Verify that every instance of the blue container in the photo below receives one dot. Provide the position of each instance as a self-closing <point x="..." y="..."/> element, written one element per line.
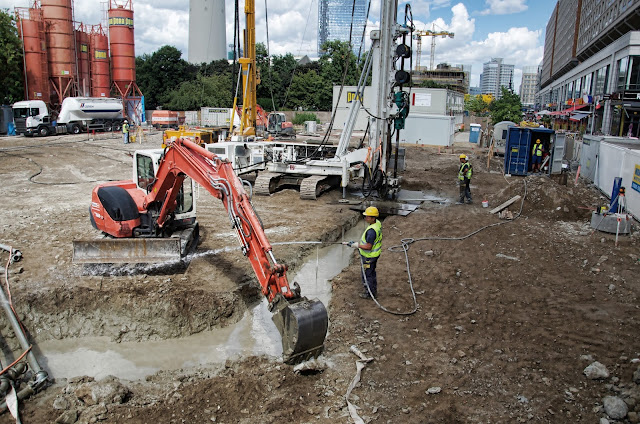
<point x="474" y="133"/>
<point x="517" y="152"/>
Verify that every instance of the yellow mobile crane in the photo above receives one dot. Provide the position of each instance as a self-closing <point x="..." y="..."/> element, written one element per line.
<point x="433" y="34"/>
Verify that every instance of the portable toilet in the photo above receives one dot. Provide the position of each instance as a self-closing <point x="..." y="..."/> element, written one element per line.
<point x="474" y="133"/>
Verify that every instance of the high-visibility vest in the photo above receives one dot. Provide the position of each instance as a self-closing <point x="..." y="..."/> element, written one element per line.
<point x="537" y="149"/>
<point x="465" y="170"/>
<point x="376" y="249"/>
<point x="125" y="128"/>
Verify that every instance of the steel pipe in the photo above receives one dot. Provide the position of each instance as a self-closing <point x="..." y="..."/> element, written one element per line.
<point x="16" y="255"/>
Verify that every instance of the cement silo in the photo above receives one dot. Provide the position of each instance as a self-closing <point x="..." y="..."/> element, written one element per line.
<point x="83" y="60"/>
<point x="123" y="57"/>
<point x="100" y="65"/>
<point x="36" y="68"/>
<point x="58" y="19"/>
<point x="207" y="34"/>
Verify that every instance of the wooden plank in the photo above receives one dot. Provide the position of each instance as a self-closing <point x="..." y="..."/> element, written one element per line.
<point x="505" y="204"/>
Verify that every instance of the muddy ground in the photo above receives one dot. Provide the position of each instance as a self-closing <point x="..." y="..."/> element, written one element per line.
<point x="507" y="319"/>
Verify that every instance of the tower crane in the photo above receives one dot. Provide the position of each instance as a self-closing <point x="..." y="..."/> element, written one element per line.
<point x="429" y="33"/>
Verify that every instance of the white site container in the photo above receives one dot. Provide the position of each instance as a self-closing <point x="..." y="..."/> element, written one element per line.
<point x="621" y="159"/>
<point x="215" y="116"/>
<point x="432" y="130"/>
<point x="191" y="117"/>
<point x="588" y="153"/>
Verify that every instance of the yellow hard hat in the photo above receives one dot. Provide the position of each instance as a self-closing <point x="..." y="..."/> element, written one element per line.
<point x="538" y="141"/>
<point x="371" y="211"/>
<point x="463" y="156"/>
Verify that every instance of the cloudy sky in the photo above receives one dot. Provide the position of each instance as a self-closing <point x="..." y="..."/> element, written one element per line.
<point x="511" y="29"/>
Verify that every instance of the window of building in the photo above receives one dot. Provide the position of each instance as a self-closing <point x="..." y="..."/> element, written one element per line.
<point x="586" y="86"/>
<point x="622" y="73"/>
<point x="633" y="73"/>
<point x="602" y="80"/>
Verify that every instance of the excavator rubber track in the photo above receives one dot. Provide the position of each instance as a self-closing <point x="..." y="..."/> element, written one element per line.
<point x="266" y="183"/>
<point x="303" y="327"/>
<point x="313" y="186"/>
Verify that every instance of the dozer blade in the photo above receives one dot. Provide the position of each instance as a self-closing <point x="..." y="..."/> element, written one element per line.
<point x="126" y="250"/>
<point x="303" y="327"/>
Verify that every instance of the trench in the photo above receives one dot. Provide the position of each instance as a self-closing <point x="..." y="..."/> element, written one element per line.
<point x="253" y="335"/>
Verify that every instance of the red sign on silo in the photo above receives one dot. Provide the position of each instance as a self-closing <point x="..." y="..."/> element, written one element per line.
<point x="99" y="51"/>
<point x="31" y="31"/>
<point x="58" y="25"/>
<point x="123" y="59"/>
<point x="82" y="55"/>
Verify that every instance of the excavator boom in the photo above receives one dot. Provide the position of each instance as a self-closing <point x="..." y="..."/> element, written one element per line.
<point x="124" y="212"/>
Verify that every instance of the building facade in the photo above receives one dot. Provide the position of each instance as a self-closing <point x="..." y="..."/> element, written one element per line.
<point x="337" y="19"/>
<point x="454" y="77"/>
<point x="529" y="85"/>
<point x="591" y="73"/>
<point x="496" y="74"/>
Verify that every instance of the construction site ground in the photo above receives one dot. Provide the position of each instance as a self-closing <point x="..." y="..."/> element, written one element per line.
<point x="507" y="318"/>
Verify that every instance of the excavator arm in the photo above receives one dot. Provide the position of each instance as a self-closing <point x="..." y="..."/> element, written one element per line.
<point x="136" y="219"/>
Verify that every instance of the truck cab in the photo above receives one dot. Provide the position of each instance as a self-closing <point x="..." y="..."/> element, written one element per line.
<point x="32" y="117"/>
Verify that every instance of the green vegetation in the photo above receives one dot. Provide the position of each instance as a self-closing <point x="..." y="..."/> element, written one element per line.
<point x="170" y="82"/>
<point x="301" y="118"/>
<point x="11" y="75"/>
<point x="476" y="105"/>
<point x="508" y="108"/>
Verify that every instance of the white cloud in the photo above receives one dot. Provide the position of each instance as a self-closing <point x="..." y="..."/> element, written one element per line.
<point x="504" y="7"/>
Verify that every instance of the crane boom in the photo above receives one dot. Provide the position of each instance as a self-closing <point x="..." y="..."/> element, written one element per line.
<point x="433" y="34"/>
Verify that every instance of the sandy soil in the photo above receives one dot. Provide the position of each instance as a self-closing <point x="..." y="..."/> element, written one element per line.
<point x="507" y="318"/>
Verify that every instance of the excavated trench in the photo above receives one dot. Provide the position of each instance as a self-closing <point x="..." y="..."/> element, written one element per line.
<point x="166" y="322"/>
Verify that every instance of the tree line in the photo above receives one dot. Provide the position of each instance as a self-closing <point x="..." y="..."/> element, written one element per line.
<point x="172" y="83"/>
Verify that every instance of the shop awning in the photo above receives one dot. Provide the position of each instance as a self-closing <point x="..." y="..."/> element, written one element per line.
<point x="579" y="115"/>
<point x="568" y="111"/>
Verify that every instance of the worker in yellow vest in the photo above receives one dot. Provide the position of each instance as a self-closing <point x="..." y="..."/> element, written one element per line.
<point x="370" y="247"/>
<point x="464" y="179"/>
<point x="536" y="156"/>
<point x="125" y="131"/>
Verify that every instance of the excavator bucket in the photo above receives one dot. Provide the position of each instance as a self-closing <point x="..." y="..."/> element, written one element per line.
<point x="126" y="250"/>
<point x="303" y="327"/>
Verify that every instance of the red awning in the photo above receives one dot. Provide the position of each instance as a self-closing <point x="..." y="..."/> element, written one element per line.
<point x="568" y="111"/>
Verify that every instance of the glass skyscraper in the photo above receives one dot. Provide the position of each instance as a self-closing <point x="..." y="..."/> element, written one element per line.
<point x="334" y="22"/>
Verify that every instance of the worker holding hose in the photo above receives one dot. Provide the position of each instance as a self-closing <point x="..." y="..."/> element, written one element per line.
<point x="370" y="247"/>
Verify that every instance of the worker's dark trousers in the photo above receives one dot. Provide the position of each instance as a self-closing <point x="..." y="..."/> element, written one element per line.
<point x="465" y="191"/>
<point x="369" y="265"/>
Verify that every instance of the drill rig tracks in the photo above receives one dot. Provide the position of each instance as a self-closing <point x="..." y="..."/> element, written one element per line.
<point x="313" y="186"/>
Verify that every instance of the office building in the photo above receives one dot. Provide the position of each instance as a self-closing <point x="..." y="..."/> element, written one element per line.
<point x="336" y="22"/>
<point x="496" y="74"/>
<point x="529" y="85"/>
<point x="591" y="65"/>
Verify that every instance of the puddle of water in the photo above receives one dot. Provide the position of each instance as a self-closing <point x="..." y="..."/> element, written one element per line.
<point x="254" y="334"/>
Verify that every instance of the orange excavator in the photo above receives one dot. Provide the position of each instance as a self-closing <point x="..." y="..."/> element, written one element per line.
<point x="122" y="210"/>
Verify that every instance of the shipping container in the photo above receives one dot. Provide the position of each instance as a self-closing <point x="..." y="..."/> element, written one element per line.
<point x="191" y="118"/>
<point x="519" y="146"/>
<point x="166" y="119"/>
<point x="215" y="117"/>
<point x="432" y="130"/>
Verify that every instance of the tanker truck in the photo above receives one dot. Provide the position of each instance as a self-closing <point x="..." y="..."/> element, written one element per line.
<point x="77" y="114"/>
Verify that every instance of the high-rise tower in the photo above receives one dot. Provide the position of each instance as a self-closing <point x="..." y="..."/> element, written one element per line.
<point x="334" y="22"/>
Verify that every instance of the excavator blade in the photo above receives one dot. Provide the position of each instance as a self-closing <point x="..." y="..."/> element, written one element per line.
<point x="303" y="327"/>
<point x="126" y="250"/>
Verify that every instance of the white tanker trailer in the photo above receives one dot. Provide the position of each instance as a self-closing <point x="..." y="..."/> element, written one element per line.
<point x="77" y="114"/>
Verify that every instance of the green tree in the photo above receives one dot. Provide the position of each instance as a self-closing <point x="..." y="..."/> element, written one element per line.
<point x="304" y="90"/>
<point x="507" y="108"/>
<point x="11" y="75"/>
<point x="203" y="91"/>
<point x="477" y="105"/>
<point x="159" y="73"/>
<point x="338" y="56"/>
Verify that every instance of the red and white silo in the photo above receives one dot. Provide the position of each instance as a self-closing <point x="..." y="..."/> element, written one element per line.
<point x="83" y="58"/>
<point x="36" y="69"/>
<point x="58" y="25"/>
<point x="99" y="52"/>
